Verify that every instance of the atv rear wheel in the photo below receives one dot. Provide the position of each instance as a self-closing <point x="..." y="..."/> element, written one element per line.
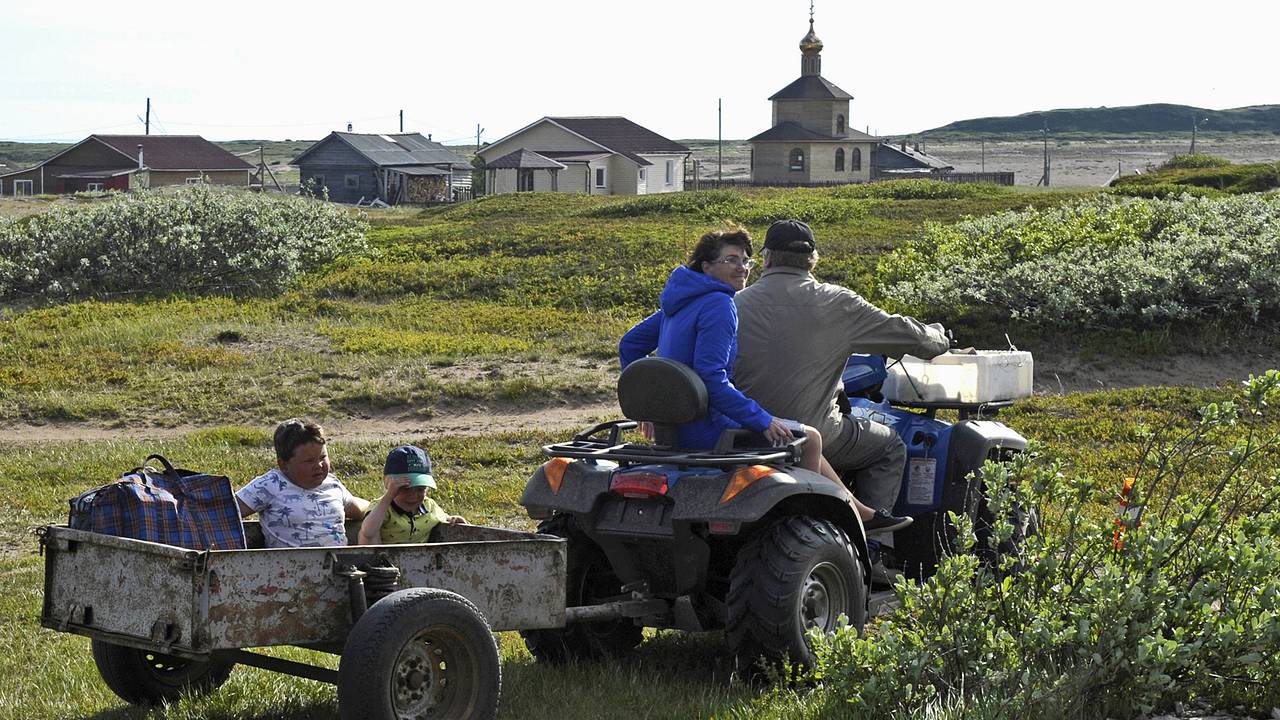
<point x="799" y="573"/>
<point x="589" y="581"/>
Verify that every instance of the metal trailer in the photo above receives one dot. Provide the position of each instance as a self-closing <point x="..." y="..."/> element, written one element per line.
<point x="166" y="621"/>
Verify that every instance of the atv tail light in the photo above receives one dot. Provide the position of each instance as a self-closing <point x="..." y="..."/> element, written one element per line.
<point x="717" y="527"/>
<point x="554" y="470"/>
<point x="639" y="484"/>
<point x="744" y="478"/>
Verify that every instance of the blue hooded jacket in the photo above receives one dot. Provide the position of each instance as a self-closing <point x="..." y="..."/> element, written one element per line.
<point x="698" y="325"/>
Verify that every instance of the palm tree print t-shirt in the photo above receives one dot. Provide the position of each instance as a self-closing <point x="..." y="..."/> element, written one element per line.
<point x="294" y="517"/>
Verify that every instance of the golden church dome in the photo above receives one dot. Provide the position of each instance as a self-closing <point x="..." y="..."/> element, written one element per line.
<point x="811" y="43"/>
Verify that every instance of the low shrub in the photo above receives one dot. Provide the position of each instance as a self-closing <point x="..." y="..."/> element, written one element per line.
<point x="919" y="189"/>
<point x="1101" y="262"/>
<point x="1161" y="190"/>
<point x="1197" y="160"/>
<point x="1135" y="594"/>
<point x="197" y="239"/>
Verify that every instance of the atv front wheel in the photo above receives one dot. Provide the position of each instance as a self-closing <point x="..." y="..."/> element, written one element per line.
<point x="799" y="573"/>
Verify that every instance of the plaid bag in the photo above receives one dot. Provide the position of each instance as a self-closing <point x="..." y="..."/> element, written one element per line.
<point x="178" y="507"/>
<point x="129" y="507"/>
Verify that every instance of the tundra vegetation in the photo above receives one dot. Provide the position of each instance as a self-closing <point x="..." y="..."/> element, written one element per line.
<point x="516" y="302"/>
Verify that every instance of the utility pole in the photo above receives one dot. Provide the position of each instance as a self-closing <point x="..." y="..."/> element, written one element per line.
<point x="478" y="131"/>
<point x="984" y="154"/>
<point x="402" y="121"/>
<point x="1045" y="177"/>
<point x="719" y="141"/>
<point x="1194" y="123"/>
<point x="147" y="123"/>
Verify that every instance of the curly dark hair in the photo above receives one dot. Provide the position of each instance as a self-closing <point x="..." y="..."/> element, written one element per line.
<point x="712" y="242"/>
<point x="293" y="433"/>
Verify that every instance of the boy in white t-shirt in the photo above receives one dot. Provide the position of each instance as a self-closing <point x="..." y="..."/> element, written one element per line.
<point x="299" y="502"/>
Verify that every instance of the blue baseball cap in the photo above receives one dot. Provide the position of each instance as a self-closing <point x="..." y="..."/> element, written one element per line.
<point x="412" y="462"/>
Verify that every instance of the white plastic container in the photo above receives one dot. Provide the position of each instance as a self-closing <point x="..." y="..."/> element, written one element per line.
<point x="988" y="376"/>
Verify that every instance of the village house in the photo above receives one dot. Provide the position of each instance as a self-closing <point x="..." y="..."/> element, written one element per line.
<point x="127" y="162"/>
<point x="394" y="168"/>
<point x="593" y="155"/>
<point x="901" y="160"/>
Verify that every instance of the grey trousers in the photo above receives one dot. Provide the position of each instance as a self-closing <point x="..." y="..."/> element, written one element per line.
<point x="870" y="458"/>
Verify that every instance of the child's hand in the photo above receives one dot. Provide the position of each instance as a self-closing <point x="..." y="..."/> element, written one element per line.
<point x="458" y="520"/>
<point x="393" y="484"/>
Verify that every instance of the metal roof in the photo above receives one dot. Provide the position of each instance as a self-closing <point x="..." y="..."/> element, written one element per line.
<point x="621" y="136"/>
<point x="811" y="87"/>
<point x="791" y="131"/>
<point x="525" y="160"/>
<point x="917" y="158"/>
<point x="395" y="149"/>
<point x="173" y="152"/>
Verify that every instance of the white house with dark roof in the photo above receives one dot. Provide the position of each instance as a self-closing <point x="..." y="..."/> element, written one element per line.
<point x="593" y="155"/>
<point x="810" y="141"/>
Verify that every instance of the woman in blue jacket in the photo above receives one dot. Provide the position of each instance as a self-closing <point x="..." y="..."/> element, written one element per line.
<point x="697" y="324"/>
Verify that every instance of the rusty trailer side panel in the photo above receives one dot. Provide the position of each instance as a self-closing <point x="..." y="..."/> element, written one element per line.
<point x="144" y="594"/>
<point x="133" y="589"/>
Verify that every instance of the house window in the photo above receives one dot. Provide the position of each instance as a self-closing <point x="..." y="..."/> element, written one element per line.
<point x="93" y="187"/>
<point x="797" y="159"/>
<point x="839" y="159"/>
<point x="857" y="159"/>
<point x="601" y="178"/>
<point x="194" y="180"/>
<point x="352" y="182"/>
<point x="642" y="176"/>
<point x="839" y="125"/>
<point x="524" y="180"/>
<point x="671" y="172"/>
<point x="22" y="188"/>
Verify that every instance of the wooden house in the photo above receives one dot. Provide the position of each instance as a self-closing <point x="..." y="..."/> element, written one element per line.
<point x="397" y="168"/>
<point x="125" y="162"/>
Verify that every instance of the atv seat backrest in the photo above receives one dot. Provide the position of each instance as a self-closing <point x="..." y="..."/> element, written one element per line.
<point x="664" y="392"/>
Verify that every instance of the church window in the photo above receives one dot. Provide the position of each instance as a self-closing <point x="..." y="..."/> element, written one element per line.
<point x="839" y="125"/>
<point x="857" y="159"/>
<point x="839" y="159"/>
<point x="797" y="159"/>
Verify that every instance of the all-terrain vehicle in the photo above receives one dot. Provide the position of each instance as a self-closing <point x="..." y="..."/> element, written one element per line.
<point x="738" y="538"/>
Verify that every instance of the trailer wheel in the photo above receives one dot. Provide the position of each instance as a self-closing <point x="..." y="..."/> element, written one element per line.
<point x="799" y="573"/>
<point x="143" y="677"/>
<point x="589" y="581"/>
<point x="420" y="653"/>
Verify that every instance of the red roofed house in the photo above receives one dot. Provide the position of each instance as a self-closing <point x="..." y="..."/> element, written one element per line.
<point x="124" y="162"/>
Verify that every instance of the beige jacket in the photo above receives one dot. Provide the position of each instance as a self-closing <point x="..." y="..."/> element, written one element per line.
<point x="795" y="334"/>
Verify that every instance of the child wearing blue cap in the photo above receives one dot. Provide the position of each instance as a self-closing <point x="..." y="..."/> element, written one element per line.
<point x="404" y="513"/>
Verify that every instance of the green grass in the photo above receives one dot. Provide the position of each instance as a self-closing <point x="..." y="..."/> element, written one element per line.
<point x="517" y="298"/>
<point x="44" y="674"/>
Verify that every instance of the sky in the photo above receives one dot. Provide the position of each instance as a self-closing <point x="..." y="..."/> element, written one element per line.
<point x="686" y="69"/>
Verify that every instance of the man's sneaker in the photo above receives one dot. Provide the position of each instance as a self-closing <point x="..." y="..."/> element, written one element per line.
<point x="884" y="576"/>
<point x="883" y="521"/>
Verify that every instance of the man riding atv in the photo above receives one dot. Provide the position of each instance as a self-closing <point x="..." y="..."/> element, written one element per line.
<point x="795" y="335"/>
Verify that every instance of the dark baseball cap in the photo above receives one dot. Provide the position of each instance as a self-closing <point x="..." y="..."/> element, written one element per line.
<point x="412" y="462"/>
<point x="790" y="236"/>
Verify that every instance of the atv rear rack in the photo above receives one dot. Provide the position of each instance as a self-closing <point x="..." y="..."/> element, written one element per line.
<point x="586" y="446"/>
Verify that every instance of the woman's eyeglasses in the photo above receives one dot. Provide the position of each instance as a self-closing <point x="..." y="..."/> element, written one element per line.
<point x="747" y="263"/>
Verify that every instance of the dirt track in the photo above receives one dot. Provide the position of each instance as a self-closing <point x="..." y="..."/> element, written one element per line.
<point x="1053" y="375"/>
